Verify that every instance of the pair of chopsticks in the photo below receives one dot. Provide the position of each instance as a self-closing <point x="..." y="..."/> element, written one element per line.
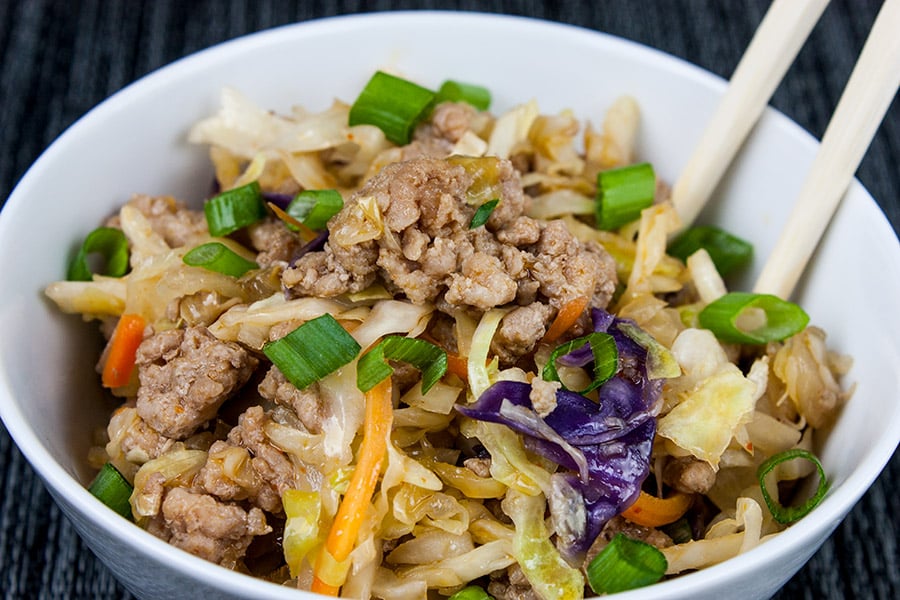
<point x="872" y="85"/>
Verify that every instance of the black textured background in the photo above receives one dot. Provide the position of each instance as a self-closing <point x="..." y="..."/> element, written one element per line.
<point x="60" y="58"/>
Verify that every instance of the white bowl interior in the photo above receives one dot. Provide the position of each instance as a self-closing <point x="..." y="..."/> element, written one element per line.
<point x="136" y="142"/>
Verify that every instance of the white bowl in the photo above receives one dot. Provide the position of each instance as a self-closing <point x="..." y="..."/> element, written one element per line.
<point x="135" y="142"/>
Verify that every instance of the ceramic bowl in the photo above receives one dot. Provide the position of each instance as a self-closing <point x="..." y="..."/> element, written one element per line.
<point x="136" y="142"/>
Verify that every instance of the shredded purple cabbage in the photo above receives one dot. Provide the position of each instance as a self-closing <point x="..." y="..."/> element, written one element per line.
<point x="280" y="200"/>
<point x="615" y="435"/>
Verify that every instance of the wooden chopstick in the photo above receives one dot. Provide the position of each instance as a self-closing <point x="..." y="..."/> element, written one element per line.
<point x="872" y="86"/>
<point x="773" y="48"/>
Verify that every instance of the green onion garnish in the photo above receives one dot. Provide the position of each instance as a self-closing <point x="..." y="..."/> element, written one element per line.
<point x="789" y="514"/>
<point x="234" y="209"/>
<point x="473" y="592"/>
<point x="623" y="193"/>
<point x="727" y="251"/>
<point x="625" y="564"/>
<point x="483" y="213"/>
<point x="106" y="241"/>
<point x="392" y="104"/>
<point x="315" y="349"/>
<point x="216" y="256"/>
<point x="313" y="208"/>
<point x="456" y="91"/>
<point x="776" y="319"/>
<point x="606" y="359"/>
<point x="425" y="356"/>
<point x="113" y="490"/>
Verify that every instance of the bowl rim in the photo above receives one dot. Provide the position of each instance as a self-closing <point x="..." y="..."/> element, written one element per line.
<point x="829" y="513"/>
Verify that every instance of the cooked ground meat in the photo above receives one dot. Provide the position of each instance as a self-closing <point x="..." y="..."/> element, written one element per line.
<point x="132" y="438"/>
<point x="171" y="219"/>
<point x="271" y="464"/>
<point x="689" y="475"/>
<point x="479" y="466"/>
<point x="207" y="528"/>
<point x="306" y="403"/>
<point x="511" y="585"/>
<point x="543" y="395"/>
<point x="428" y="253"/>
<point x="185" y="375"/>
<point x="273" y="241"/>
<point x="229" y="475"/>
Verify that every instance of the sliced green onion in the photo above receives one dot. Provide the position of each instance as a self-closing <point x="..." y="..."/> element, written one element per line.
<point x="483" y="213"/>
<point x="108" y="242"/>
<point x="728" y="252"/>
<point x="216" y="256"/>
<point x="313" y="208"/>
<point x="392" y="104"/>
<point x="234" y="209"/>
<point x="623" y="193"/>
<point x="606" y="359"/>
<point x="113" y="490"/>
<point x="425" y="356"/>
<point x="780" y="318"/>
<point x="789" y="514"/>
<point x="315" y="349"/>
<point x="473" y="592"/>
<point x="456" y="91"/>
<point x="625" y="564"/>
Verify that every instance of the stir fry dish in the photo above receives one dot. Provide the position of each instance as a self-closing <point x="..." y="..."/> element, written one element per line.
<point x="411" y="349"/>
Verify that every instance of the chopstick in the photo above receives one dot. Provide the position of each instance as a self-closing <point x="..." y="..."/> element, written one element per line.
<point x="773" y="48"/>
<point x="872" y="86"/>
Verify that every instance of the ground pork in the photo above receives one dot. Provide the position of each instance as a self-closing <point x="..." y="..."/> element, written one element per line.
<point x="185" y="375"/>
<point x="171" y="219"/>
<point x="511" y="585"/>
<point x="133" y="439"/>
<point x="306" y="402"/>
<point x="229" y="475"/>
<point x="200" y="524"/>
<point x="271" y="464"/>
<point x="689" y="475"/>
<point x="428" y="252"/>
<point x="273" y="241"/>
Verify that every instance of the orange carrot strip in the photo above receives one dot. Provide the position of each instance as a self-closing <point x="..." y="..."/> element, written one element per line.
<point x="123" y="347"/>
<point x="352" y="511"/>
<point x="458" y="365"/>
<point x="305" y="232"/>
<point x="565" y="318"/>
<point x="651" y="511"/>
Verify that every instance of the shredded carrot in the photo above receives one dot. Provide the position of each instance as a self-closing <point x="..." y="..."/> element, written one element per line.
<point x="123" y="347"/>
<point x="458" y="365"/>
<point x="305" y="232"/>
<point x="651" y="511"/>
<point x="565" y="318"/>
<point x="352" y="511"/>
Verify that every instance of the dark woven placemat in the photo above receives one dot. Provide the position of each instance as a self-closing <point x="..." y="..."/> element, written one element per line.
<point x="59" y="59"/>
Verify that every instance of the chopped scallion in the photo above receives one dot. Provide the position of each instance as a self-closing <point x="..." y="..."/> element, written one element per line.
<point x="625" y="564"/>
<point x="392" y="104"/>
<point x="110" y="243"/>
<point x="789" y="514"/>
<point x="728" y="252"/>
<point x="113" y="490"/>
<point x="234" y="209"/>
<point x="775" y="319"/>
<point x="623" y="193"/>
<point x="456" y="91"/>
<point x="472" y="592"/>
<point x="313" y="208"/>
<point x="605" y="359"/>
<point x="315" y="349"/>
<point x="216" y="256"/>
<point x="372" y="367"/>
<point x="483" y="213"/>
